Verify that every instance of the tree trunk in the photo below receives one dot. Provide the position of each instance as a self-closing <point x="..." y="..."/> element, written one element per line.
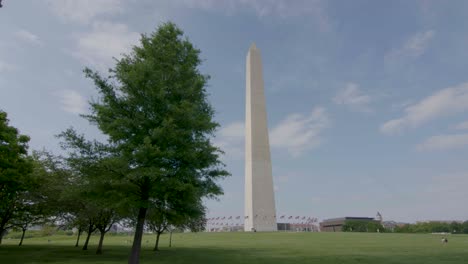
<point x="78" y="238"/>
<point x="135" y="253"/>
<point x="1" y="235"/>
<point x="101" y="239"/>
<point x="170" y="239"/>
<point x="157" y="241"/>
<point x="90" y="230"/>
<point x="22" y="237"/>
<point x="2" y="231"/>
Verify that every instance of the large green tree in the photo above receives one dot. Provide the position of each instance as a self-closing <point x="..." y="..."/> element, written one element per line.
<point x="15" y="168"/>
<point x="154" y="109"/>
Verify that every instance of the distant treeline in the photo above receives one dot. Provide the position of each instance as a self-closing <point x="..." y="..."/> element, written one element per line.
<point x="422" y="227"/>
<point x="363" y="226"/>
<point x="434" y="227"/>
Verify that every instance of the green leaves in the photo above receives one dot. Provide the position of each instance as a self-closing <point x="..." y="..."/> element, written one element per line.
<point x="15" y="169"/>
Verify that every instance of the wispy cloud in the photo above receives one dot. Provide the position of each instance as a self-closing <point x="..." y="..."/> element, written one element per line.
<point x="105" y="42"/>
<point x="230" y="139"/>
<point x="444" y="142"/>
<point x="84" y="11"/>
<point x="273" y="8"/>
<point x="298" y="133"/>
<point x="414" y="46"/>
<point x="71" y="101"/>
<point x="448" y="101"/>
<point x="27" y="36"/>
<point x="4" y="67"/>
<point x="352" y="97"/>
<point x="462" y="125"/>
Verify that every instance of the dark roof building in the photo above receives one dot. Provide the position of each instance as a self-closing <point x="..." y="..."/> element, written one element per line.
<point x="336" y="224"/>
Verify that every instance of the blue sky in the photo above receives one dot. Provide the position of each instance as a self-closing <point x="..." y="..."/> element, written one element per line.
<point x="367" y="100"/>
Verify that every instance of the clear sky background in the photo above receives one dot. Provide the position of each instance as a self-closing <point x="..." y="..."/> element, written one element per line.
<point x="367" y="100"/>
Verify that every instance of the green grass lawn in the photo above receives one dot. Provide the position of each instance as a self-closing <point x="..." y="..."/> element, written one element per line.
<point x="248" y="248"/>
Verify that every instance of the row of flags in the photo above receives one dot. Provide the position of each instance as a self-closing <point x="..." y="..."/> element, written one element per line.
<point x="239" y="224"/>
<point x="309" y="219"/>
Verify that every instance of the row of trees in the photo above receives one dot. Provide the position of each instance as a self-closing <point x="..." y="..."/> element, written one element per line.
<point x="362" y="226"/>
<point x="156" y="166"/>
<point x="434" y="227"/>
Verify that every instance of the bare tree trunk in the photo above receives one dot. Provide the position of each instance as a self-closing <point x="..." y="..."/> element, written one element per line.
<point x="157" y="241"/>
<point x="90" y="231"/>
<point x="22" y="237"/>
<point x="80" y="230"/>
<point x="101" y="239"/>
<point x="135" y="253"/>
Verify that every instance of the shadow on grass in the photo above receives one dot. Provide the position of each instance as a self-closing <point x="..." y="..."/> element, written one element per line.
<point x="36" y="254"/>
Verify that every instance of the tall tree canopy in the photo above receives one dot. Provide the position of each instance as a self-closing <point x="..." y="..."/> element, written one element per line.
<point x="15" y="168"/>
<point x="154" y="109"/>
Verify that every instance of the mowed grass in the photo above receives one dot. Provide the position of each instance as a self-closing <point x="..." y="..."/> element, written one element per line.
<point x="248" y="248"/>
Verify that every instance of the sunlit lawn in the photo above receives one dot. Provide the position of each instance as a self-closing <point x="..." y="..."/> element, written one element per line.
<point x="247" y="248"/>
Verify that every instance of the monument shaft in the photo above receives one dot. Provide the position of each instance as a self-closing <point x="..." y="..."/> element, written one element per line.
<point x="260" y="213"/>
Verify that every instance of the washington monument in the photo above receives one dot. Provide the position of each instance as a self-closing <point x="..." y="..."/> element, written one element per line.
<point x="260" y="213"/>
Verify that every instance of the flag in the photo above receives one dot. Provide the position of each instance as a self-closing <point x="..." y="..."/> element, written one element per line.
<point x="217" y="218"/>
<point x="297" y="217"/>
<point x="246" y="217"/>
<point x="230" y="218"/>
<point x="303" y="217"/>
<point x="238" y="217"/>
<point x="282" y="216"/>
<point x="290" y="217"/>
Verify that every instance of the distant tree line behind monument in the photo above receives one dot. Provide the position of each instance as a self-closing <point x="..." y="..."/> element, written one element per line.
<point x="434" y="227"/>
<point x="156" y="166"/>
<point x="362" y="226"/>
<point x="420" y="227"/>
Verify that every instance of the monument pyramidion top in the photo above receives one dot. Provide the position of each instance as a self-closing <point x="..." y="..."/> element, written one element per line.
<point x="253" y="46"/>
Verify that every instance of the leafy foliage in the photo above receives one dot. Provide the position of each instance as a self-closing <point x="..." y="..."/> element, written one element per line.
<point x="362" y="226"/>
<point x="15" y="169"/>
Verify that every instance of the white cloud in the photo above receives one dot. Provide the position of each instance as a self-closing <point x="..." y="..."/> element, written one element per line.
<point x="448" y="101"/>
<point x="230" y="139"/>
<point x="28" y="37"/>
<point x="72" y="102"/>
<point x="274" y="8"/>
<point x="462" y="125"/>
<point x="414" y="47"/>
<point x="298" y="133"/>
<point x="4" y="67"/>
<point x="84" y="11"/>
<point x="444" y="142"/>
<point x="352" y="97"/>
<point x="105" y="42"/>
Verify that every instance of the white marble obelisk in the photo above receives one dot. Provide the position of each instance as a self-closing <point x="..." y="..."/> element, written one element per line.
<point x="260" y="213"/>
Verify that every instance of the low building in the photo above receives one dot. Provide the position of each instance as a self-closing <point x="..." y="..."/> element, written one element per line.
<point x="298" y="227"/>
<point x="336" y="224"/>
